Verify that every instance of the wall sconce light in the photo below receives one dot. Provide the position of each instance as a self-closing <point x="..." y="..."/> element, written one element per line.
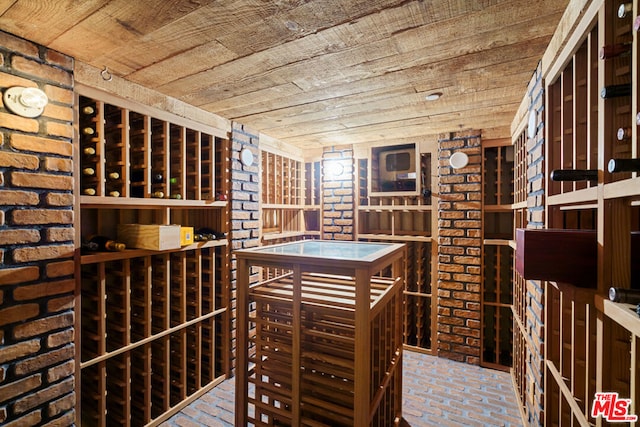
<point x="458" y="160"/>
<point x="335" y="169"/>
<point x="25" y="101"/>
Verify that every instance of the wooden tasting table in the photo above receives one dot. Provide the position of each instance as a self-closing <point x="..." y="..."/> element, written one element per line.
<point x="322" y="342"/>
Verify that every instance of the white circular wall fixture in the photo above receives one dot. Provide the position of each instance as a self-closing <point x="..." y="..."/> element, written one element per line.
<point x="246" y="157"/>
<point x="25" y="101"/>
<point x="458" y="160"/>
<point x="533" y="124"/>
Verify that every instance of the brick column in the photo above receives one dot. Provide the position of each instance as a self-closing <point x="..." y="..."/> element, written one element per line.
<point x="459" y="250"/>
<point x="534" y="321"/>
<point x="245" y="204"/>
<point x="36" y="242"/>
<point x="337" y="193"/>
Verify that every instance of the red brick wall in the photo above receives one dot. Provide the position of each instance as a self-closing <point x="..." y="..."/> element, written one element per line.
<point x="459" y="249"/>
<point x="337" y="195"/>
<point x="36" y="242"/>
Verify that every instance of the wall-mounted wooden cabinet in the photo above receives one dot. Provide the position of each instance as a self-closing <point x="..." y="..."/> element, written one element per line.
<point x="152" y="325"/>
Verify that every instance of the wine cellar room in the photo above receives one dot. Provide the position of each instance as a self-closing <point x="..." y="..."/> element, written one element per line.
<point x="311" y="213"/>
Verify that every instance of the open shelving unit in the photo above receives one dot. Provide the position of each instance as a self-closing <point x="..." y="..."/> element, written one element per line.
<point x="152" y="325"/>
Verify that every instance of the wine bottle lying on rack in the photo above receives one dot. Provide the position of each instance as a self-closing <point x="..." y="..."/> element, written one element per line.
<point x="623" y="133"/>
<point x="99" y="243"/>
<point x="614" y="91"/>
<point x="624" y="9"/>
<point x="574" y="175"/>
<point x="629" y="296"/>
<point x="623" y="165"/>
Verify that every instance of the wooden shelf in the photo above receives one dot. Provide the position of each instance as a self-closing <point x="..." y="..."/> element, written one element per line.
<point x="623" y="314"/>
<point x="151" y="203"/>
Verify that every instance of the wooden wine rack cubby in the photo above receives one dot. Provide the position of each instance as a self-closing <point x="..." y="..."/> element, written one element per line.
<point x="152" y="326"/>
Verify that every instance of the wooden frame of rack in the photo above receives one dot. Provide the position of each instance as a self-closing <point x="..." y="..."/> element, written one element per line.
<point x="152" y="325"/>
<point x="582" y="133"/>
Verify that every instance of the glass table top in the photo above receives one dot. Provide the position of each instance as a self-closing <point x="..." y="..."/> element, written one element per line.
<point x="329" y="249"/>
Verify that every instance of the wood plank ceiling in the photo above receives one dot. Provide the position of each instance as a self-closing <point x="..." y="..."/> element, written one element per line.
<point x="312" y="72"/>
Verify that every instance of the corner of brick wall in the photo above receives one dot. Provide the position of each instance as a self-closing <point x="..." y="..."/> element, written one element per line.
<point x="337" y="193"/>
<point x="245" y="204"/>
<point x="459" y="249"/>
<point x="36" y="242"/>
<point x="534" y="321"/>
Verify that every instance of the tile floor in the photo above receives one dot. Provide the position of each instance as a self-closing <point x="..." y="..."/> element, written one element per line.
<point x="438" y="392"/>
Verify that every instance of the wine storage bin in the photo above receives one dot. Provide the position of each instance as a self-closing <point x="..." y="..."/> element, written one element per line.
<point x="567" y="256"/>
<point x="321" y="344"/>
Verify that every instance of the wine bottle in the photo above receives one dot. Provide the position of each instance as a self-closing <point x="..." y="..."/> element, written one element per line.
<point x="114" y="193"/>
<point x="88" y="110"/>
<point x="104" y="243"/>
<point x="614" y="50"/>
<point x="624" y="9"/>
<point x="629" y="296"/>
<point x="614" y="91"/>
<point x="623" y="133"/>
<point x="88" y="130"/>
<point x="623" y="165"/>
<point x="157" y="195"/>
<point x="89" y="191"/>
<point x="158" y="178"/>
<point x="89" y="171"/>
<point x="176" y="196"/>
<point x="89" y="151"/>
<point x="574" y="175"/>
<point x="113" y="175"/>
<point x="173" y="180"/>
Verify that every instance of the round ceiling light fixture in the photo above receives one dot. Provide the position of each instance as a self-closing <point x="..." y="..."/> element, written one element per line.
<point x="433" y="96"/>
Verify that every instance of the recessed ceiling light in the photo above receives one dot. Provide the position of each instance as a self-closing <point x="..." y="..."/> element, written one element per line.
<point x="433" y="96"/>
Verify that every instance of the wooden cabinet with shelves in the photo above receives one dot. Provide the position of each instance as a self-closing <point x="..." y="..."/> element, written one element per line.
<point x="152" y="323"/>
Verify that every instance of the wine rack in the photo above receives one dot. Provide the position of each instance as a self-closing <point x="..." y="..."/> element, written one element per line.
<point x="592" y="118"/>
<point x="574" y="99"/>
<point x="498" y="259"/>
<point x="408" y="219"/>
<point x="151" y="323"/>
<point x="290" y="198"/>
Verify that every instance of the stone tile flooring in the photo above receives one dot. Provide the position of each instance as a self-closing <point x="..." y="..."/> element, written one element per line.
<point x="436" y="392"/>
